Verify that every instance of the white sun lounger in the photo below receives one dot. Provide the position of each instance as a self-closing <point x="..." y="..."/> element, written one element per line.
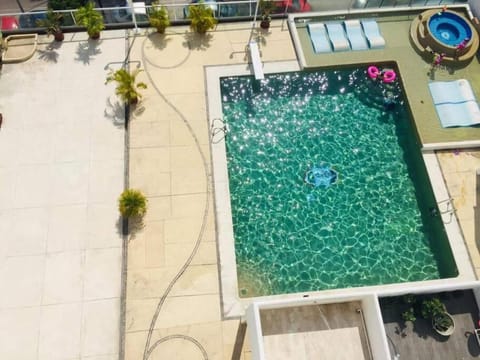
<point x="455" y="91"/>
<point x="372" y="32"/>
<point x="355" y="35"/>
<point x="461" y="114"/>
<point x="337" y="36"/>
<point x="319" y="38"/>
<point x="256" y="61"/>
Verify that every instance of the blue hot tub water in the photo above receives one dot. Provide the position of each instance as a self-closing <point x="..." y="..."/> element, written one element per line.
<point x="328" y="186"/>
<point x="449" y="29"/>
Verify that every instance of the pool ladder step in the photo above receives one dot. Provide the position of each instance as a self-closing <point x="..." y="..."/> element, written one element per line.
<point x="218" y="130"/>
<point x="446" y="207"/>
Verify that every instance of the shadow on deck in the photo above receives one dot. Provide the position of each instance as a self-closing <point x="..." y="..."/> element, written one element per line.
<point x="418" y="341"/>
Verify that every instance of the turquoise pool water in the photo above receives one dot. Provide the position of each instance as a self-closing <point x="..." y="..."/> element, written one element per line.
<point x="372" y="224"/>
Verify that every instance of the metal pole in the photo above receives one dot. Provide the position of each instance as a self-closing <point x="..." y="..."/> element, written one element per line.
<point x="20" y="6"/>
<point x="133" y="15"/>
<point x="254" y="25"/>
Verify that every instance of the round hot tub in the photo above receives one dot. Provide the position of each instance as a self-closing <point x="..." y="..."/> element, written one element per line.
<point x="444" y="32"/>
<point x="449" y="28"/>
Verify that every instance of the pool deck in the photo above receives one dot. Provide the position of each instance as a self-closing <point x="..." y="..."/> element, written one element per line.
<point x="169" y="159"/>
<point x="415" y="73"/>
<point x="167" y="164"/>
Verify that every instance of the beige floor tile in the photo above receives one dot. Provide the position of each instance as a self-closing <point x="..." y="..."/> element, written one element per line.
<point x="136" y="251"/>
<point x="188" y="205"/>
<point x="197" y="280"/>
<point x="180" y="134"/>
<point x="188" y="181"/>
<point x="143" y="160"/>
<point x="139" y="314"/>
<point x="187" y="157"/>
<point x="183" y="230"/>
<point x="154" y="244"/>
<point x="135" y="344"/>
<point x="149" y="283"/>
<point x="158" y="208"/>
<point x="151" y="182"/>
<point x="184" y="310"/>
<point x="177" y="253"/>
<point x="468" y="230"/>
<point x="149" y="134"/>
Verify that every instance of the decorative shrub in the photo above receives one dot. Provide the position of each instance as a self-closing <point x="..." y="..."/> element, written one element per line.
<point x="201" y="17"/>
<point x="90" y="18"/>
<point x="158" y="17"/>
<point x="127" y="87"/>
<point x="132" y="203"/>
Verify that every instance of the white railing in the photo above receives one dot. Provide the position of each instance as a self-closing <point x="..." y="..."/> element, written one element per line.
<point x="131" y="15"/>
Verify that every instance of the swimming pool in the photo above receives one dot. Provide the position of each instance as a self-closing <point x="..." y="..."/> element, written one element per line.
<point x="373" y="225"/>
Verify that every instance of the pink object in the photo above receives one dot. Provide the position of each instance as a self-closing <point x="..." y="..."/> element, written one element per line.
<point x="389" y="76"/>
<point x="373" y="72"/>
<point x="438" y="59"/>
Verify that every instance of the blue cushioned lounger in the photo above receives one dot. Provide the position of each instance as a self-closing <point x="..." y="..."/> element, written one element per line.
<point x="319" y="38"/>
<point x="355" y="35"/>
<point x="337" y="36"/>
<point x="372" y="32"/>
<point x="461" y="114"/>
<point x="455" y="91"/>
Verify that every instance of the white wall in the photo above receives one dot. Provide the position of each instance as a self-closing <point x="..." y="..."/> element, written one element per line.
<point x="254" y="330"/>
<point x="375" y="329"/>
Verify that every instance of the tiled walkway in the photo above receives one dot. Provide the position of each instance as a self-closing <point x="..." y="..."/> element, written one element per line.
<point x="170" y="161"/>
<point x="61" y="171"/>
<point x="459" y="168"/>
<point x="169" y="157"/>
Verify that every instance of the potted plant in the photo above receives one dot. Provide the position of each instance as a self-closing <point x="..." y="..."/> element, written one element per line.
<point x="158" y="17"/>
<point x="201" y="17"/>
<point x="132" y="203"/>
<point x="52" y="23"/>
<point x="409" y="315"/>
<point x="127" y="87"/>
<point x="90" y="18"/>
<point x="266" y="8"/>
<point x="442" y="321"/>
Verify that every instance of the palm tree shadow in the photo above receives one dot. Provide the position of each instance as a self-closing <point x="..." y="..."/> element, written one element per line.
<point x="86" y="50"/>
<point x="115" y="111"/>
<point x="50" y="54"/>
<point x="159" y="41"/>
<point x="135" y="225"/>
<point x="194" y="41"/>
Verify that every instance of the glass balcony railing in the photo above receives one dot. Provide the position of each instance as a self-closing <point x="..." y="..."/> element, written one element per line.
<point x="130" y="15"/>
<point x="136" y="15"/>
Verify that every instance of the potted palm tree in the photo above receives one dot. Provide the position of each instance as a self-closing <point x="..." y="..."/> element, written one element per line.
<point x="127" y="85"/>
<point x="132" y="203"/>
<point x="90" y="18"/>
<point x="201" y="17"/>
<point x="51" y="23"/>
<point x="266" y="8"/>
<point x="442" y="321"/>
<point x="158" y="17"/>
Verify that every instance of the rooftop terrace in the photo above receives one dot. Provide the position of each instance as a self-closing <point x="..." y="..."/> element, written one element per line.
<point x="168" y="149"/>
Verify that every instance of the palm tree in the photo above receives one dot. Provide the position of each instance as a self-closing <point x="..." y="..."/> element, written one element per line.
<point x="158" y="17"/>
<point x="202" y="18"/>
<point x="132" y="203"/>
<point x="90" y="18"/>
<point x="127" y="87"/>
<point x="52" y="23"/>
